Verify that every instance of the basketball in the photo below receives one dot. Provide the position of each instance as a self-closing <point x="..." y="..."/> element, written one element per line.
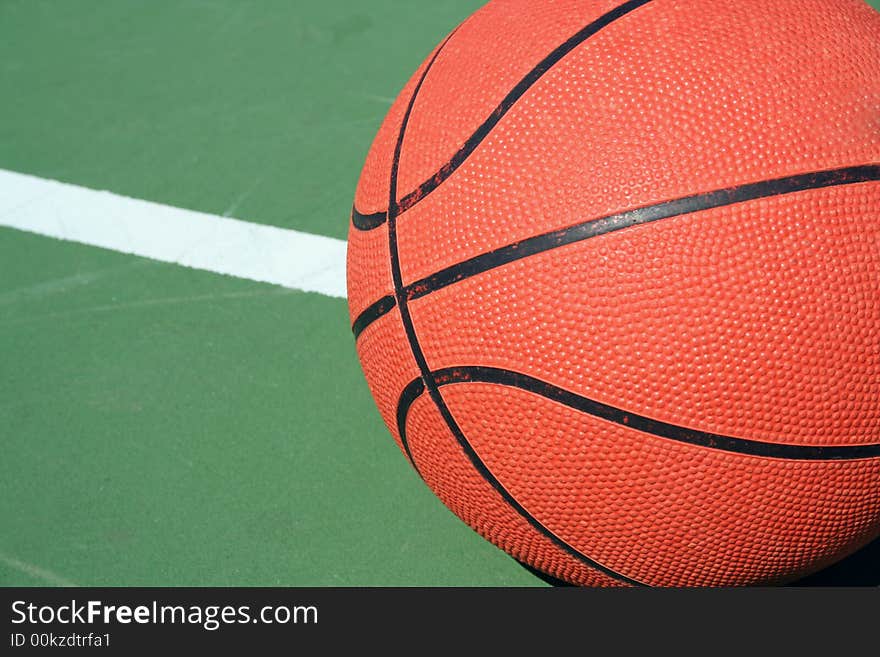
<point x="614" y="281"/>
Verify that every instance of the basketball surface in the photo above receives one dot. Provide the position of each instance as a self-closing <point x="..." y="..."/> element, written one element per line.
<point x="613" y="277"/>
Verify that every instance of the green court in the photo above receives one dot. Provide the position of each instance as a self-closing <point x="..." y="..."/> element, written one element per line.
<point x="170" y="426"/>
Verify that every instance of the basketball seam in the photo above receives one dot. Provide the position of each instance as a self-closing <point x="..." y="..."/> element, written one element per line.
<point x="639" y="216"/>
<point x="680" y="434"/>
<point x="422" y="364"/>
<point x="409" y="396"/>
<point x="365" y="222"/>
<point x="411" y="392"/>
<point x="373" y="312"/>
<point x="369" y="222"/>
<point x="537" y="244"/>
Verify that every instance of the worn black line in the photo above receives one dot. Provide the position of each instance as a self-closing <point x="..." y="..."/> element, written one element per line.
<point x="373" y="312"/>
<point x="595" y="227"/>
<point x="367" y="221"/>
<point x="428" y="381"/>
<point x="668" y="209"/>
<point x="786" y="451"/>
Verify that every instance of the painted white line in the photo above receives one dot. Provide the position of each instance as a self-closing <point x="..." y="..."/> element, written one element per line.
<point x="289" y="258"/>
<point x="34" y="571"/>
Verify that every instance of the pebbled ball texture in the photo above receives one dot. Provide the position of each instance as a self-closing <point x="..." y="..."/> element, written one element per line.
<point x="623" y="312"/>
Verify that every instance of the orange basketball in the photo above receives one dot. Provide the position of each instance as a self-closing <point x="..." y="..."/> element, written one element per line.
<point x="614" y="277"/>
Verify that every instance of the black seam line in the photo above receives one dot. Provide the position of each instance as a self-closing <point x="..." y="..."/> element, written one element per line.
<point x="422" y="364"/>
<point x="515" y="94"/>
<point x="412" y="392"/>
<point x="647" y="214"/>
<point x="373" y="312"/>
<point x="596" y="227"/>
<point x="477" y="374"/>
<point x="367" y="221"/>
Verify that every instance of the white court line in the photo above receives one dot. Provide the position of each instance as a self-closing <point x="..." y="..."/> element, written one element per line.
<point x="34" y="571"/>
<point x="289" y="258"/>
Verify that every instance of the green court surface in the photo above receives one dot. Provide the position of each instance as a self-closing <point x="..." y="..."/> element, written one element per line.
<point x="168" y="426"/>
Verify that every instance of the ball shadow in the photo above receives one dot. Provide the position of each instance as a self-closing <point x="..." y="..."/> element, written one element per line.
<point x="859" y="569"/>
